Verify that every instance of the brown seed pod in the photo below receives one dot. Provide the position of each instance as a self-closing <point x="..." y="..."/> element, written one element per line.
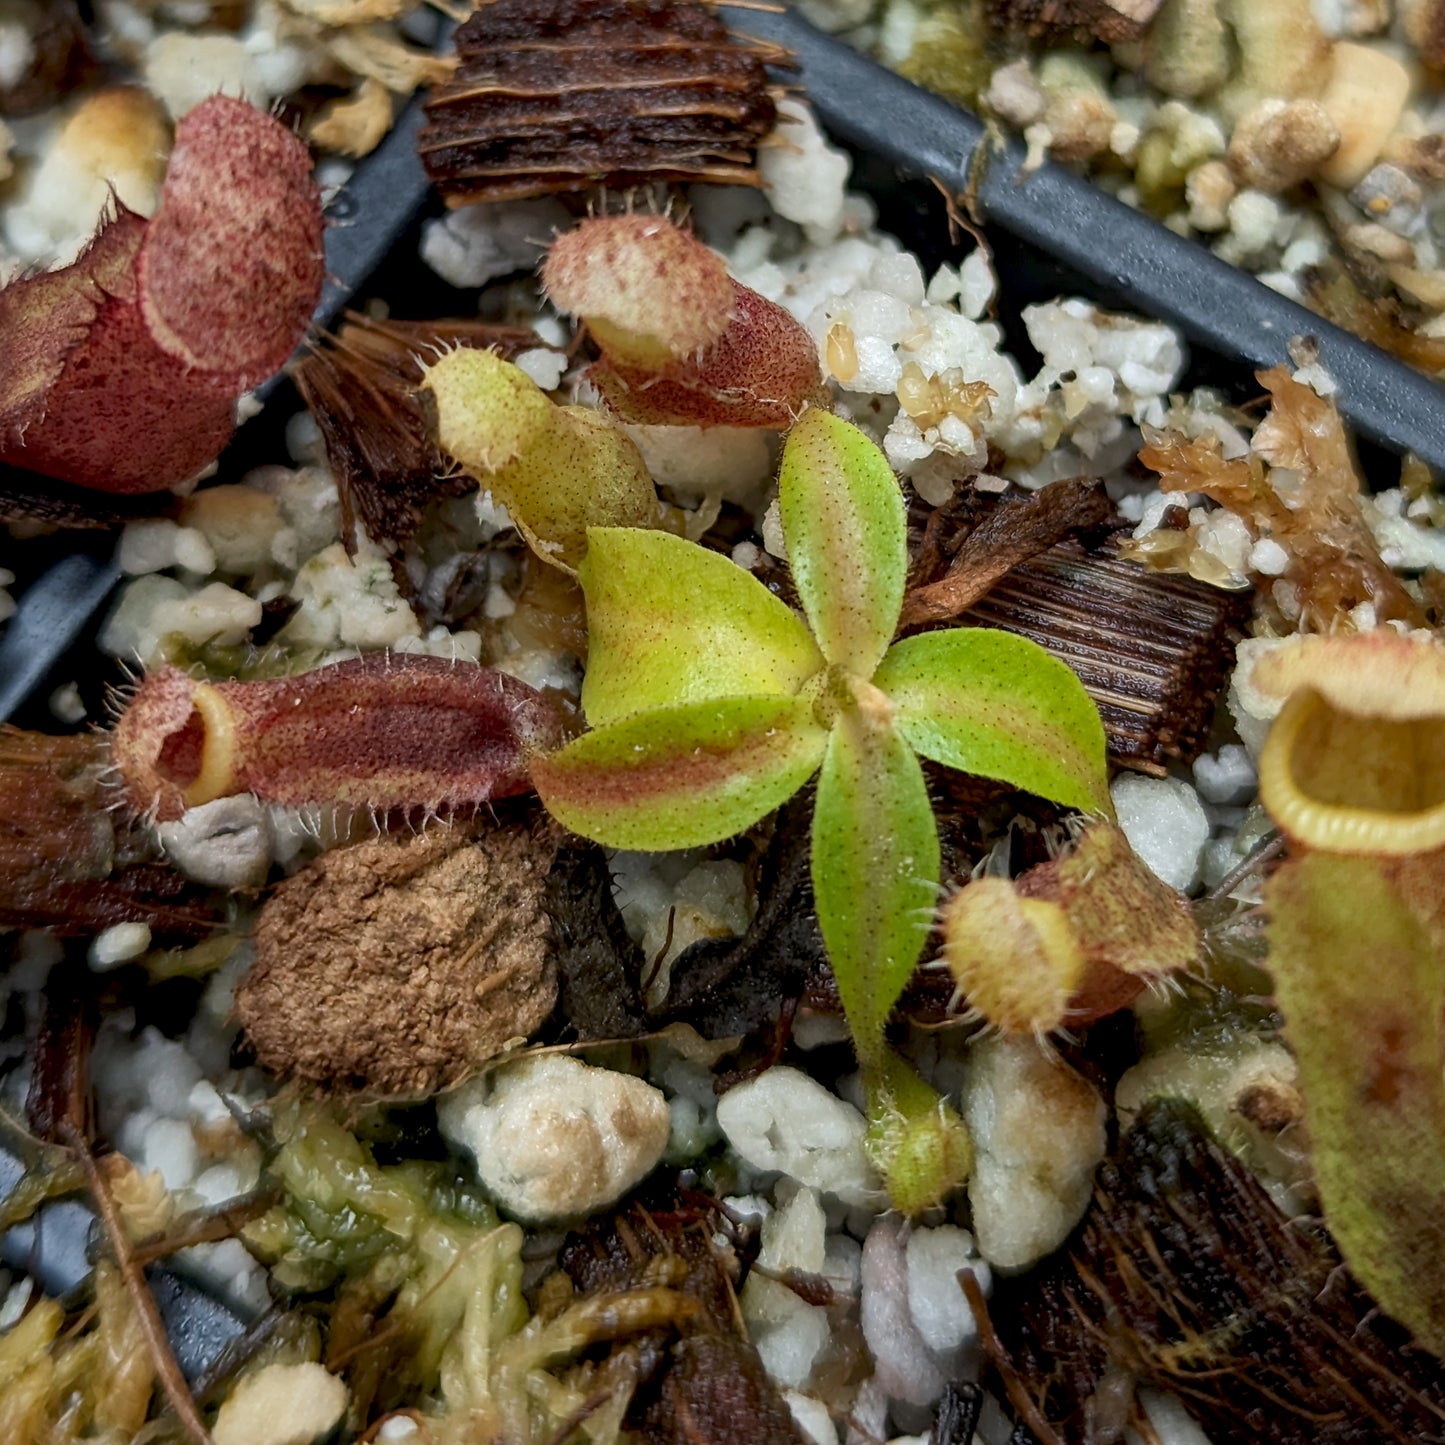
<point x="564" y="95"/>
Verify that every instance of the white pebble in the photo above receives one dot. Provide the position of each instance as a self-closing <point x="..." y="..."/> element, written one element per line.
<point x="217" y="1184"/>
<point x="935" y="1300"/>
<point x="17" y="52"/>
<point x="66" y="705"/>
<point x="120" y="943"/>
<point x="478" y="244"/>
<point x="281" y="1405"/>
<point x="225" y="843"/>
<point x="169" y="1147"/>
<point x="553" y="1137"/>
<point x="1268" y="558"/>
<point x="801" y="174"/>
<point x="1172" y="1422"/>
<point x="811" y="1416"/>
<point x="146" y="546"/>
<point x="168" y="1073"/>
<point x="1165" y="824"/>
<point x="543" y="365"/>
<point x="904" y="1366"/>
<point x="784" y="1120"/>
<point x="977" y="284"/>
<point x="1226" y="777"/>
<point x="726" y="461"/>
<point x="1038" y="1131"/>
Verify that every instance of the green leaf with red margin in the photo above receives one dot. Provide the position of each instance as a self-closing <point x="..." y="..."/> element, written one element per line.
<point x="847" y="535"/>
<point x="669" y="622"/>
<point x="999" y="706"/>
<point x="682" y="777"/>
<point x="875" y="867"/>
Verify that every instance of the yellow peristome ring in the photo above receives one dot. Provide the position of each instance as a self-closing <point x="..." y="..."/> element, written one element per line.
<point x="217" y="775"/>
<point x="1337" y="825"/>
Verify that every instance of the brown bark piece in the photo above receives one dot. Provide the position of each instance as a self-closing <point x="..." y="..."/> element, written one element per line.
<point x="564" y="95"/>
<point x="399" y="965"/>
<point x="1008" y="534"/>
<point x="711" y="1388"/>
<point x="1186" y="1277"/>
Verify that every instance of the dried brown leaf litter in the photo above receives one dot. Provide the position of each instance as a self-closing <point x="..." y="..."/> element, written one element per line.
<point x="399" y="965"/>
<point x="994" y="541"/>
<point x="1297" y="485"/>
<point x="567" y="95"/>
<point x="710" y="1387"/>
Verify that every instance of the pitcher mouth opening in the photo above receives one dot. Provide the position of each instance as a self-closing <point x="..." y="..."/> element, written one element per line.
<point x="1343" y="782"/>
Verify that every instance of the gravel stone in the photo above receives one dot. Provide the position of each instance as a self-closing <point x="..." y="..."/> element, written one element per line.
<point x="1038" y="1129"/>
<point x="785" y="1121"/>
<point x="554" y="1138"/>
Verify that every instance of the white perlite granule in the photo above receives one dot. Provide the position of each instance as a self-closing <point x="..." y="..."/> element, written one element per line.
<point x="120" y="943"/>
<point x="786" y="1121"/>
<point x="1165" y="823"/>
<point x="554" y="1138"/>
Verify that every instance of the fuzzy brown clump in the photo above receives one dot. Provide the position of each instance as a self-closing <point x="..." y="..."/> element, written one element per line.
<point x="399" y="965"/>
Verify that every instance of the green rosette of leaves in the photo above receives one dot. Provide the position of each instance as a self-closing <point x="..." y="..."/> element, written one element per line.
<point x="711" y="703"/>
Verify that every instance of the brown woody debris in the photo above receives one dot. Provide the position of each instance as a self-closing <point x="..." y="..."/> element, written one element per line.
<point x="1186" y="1277"/>
<point x="710" y="1388"/>
<point x="361" y="386"/>
<point x="997" y="541"/>
<point x="1112" y="21"/>
<point x="564" y="95"/>
<point x="399" y="965"/>
<point x="65" y="863"/>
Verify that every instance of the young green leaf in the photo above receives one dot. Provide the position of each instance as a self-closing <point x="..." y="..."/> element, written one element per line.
<point x="682" y="777"/>
<point x="669" y="622"/>
<point x="1357" y="953"/>
<point x="844" y="523"/>
<point x="875" y="867"/>
<point x="999" y="706"/>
